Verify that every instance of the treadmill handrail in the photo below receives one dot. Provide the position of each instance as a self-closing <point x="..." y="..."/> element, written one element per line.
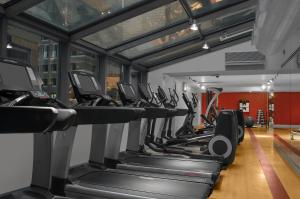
<point x="106" y="114"/>
<point x="27" y="119"/>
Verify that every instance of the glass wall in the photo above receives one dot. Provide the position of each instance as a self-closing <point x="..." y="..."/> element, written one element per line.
<point x="82" y="60"/>
<point x="114" y="74"/>
<point x="38" y="51"/>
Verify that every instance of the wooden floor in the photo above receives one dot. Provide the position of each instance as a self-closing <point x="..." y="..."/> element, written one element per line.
<point x="246" y="178"/>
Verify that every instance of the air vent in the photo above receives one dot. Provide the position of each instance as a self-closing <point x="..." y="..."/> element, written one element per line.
<point x="244" y="61"/>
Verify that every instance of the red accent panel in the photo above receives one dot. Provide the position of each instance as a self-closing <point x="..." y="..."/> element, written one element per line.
<point x="287" y="108"/>
<point x="277" y="189"/>
<point x="258" y="100"/>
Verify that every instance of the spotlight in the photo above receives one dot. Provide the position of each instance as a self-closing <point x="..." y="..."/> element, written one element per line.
<point x="263" y="87"/>
<point x="194" y="25"/>
<point x="205" y="46"/>
<point x="9" y="46"/>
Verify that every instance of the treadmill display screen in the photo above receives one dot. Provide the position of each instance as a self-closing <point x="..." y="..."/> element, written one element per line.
<point x="145" y="91"/>
<point x="86" y="83"/>
<point x="129" y="92"/>
<point x="14" y="77"/>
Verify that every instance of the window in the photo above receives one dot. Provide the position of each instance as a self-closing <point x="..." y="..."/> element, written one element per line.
<point x="45" y="68"/>
<point x="34" y="49"/>
<point x="55" y="51"/>
<point x="46" y="51"/>
<point x="45" y="82"/>
<point x="53" y="81"/>
<point x="81" y="60"/>
<point x="54" y="67"/>
<point x="112" y="77"/>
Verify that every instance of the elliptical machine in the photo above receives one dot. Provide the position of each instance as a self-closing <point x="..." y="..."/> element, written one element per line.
<point x="221" y="141"/>
<point x="212" y="112"/>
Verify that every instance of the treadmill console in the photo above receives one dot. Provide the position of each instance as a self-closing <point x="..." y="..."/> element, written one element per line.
<point x="87" y="89"/>
<point x="127" y="93"/>
<point x="39" y="94"/>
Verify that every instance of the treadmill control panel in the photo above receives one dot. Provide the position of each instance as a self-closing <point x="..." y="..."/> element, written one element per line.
<point x="39" y="94"/>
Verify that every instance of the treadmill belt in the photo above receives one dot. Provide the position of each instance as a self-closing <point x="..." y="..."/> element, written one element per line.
<point x="144" y="185"/>
<point x="188" y="165"/>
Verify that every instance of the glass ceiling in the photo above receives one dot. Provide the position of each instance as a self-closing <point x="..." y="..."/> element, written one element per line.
<point x="160" y="43"/>
<point x="183" y="51"/>
<point x="153" y="20"/>
<point x="73" y="14"/>
<point x="207" y="27"/>
<point x="231" y="19"/>
<point x="202" y="7"/>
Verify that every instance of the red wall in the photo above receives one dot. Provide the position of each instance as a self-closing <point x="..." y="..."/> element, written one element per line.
<point x="287" y="108"/>
<point x="286" y="105"/>
<point x="258" y="100"/>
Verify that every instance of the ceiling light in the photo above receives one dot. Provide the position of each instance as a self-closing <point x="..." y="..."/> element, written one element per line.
<point x="269" y="83"/>
<point x="205" y="46"/>
<point x="271" y="80"/>
<point x="263" y="87"/>
<point x="9" y="46"/>
<point x="194" y="25"/>
<point x="203" y="87"/>
<point x="269" y="87"/>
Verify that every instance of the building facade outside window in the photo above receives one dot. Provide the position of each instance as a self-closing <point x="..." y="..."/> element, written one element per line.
<point x="34" y="49"/>
<point x="112" y="77"/>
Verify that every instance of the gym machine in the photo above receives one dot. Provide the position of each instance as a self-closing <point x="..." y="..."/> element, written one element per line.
<point x="25" y="109"/>
<point x="135" y="160"/>
<point x="93" y="179"/>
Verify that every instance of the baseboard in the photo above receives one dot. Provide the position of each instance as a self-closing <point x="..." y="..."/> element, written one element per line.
<point x="286" y="126"/>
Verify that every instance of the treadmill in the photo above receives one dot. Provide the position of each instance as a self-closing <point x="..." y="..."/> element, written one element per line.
<point x="203" y="171"/>
<point x="24" y="110"/>
<point x="93" y="179"/>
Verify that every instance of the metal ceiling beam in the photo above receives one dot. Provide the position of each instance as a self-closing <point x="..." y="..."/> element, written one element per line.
<point x="181" y="26"/>
<point x="200" y="52"/>
<point x="186" y="8"/>
<point x="20" y="6"/>
<point x="171" y="49"/>
<point x="104" y="23"/>
<point x="139" y="68"/>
